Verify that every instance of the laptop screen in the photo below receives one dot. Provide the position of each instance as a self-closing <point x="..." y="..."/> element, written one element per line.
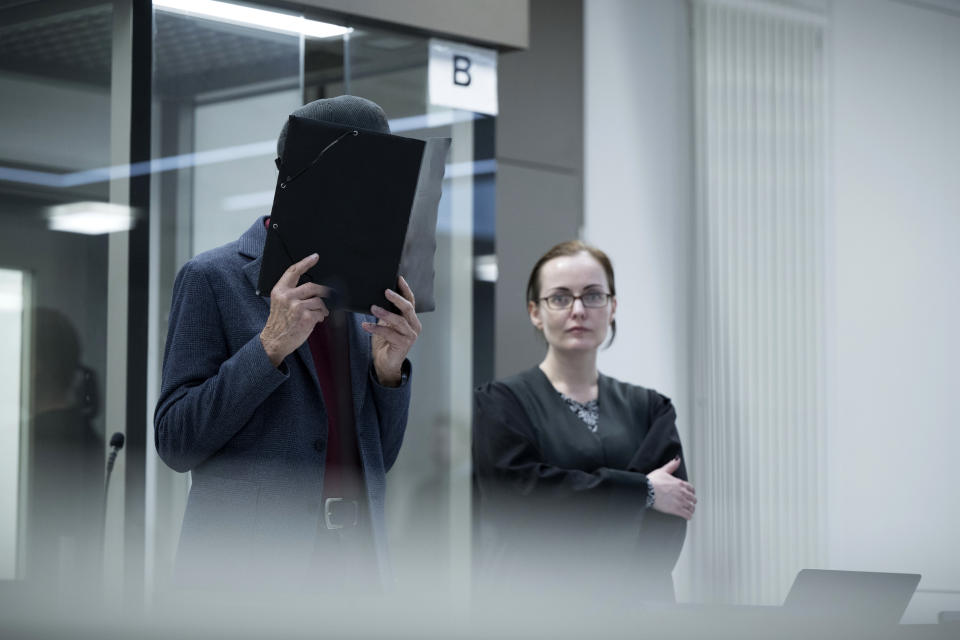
<point x="862" y="597"/>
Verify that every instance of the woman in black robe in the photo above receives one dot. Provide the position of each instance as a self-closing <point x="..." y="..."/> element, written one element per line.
<point x="581" y="480"/>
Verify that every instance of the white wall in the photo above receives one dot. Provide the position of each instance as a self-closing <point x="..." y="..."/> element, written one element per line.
<point x="638" y="183"/>
<point x="894" y="439"/>
<point x="638" y="188"/>
<point x="895" y="96"/>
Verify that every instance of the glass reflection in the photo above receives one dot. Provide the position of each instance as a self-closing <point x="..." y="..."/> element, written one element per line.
<point x="57" y="63"/>
<point x="220" y="93"/>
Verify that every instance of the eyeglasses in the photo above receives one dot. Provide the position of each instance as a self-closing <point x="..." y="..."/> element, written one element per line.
<point x="590" y="300"/>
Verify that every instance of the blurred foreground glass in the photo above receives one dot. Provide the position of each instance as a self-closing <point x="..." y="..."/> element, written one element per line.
<point x="55" y="148"/>
<point x="221" y="90"/>
<point x="429" y="488"/>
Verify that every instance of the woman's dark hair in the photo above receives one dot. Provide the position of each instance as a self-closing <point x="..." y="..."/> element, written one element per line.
<point x="566" y="249"/>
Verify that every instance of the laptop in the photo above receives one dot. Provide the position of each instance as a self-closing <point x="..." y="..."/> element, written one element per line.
<point x="860" y="597"/>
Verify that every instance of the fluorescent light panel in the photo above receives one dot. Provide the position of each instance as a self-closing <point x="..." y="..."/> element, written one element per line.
<point x="485" y="268"/>
<point x="91" y="218"/>
<point x="251" y="17"/>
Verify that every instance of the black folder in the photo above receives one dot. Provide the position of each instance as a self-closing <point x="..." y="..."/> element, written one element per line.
<point x="366" y="203"/>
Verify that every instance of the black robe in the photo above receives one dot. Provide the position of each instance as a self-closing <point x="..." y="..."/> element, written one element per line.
<point x="565" y="507"/>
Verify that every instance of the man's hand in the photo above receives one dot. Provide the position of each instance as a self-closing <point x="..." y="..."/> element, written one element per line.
<point x="294" y="311"/>
<point x="393" y="334"/>
<point x="672" y="495"/>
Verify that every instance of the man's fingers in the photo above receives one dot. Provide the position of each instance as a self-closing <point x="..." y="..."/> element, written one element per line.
<point x="406" y="303"/>
<point x="403" y="304"/>
<point x="312" y="290"/>
<point x="315" y="304"/>
<point x="292" y="275"/>
<point x="406" y="308"/>
<point x="407" y="291"/>
<point x="392" y="320"/>
<point x="388" y="333"/>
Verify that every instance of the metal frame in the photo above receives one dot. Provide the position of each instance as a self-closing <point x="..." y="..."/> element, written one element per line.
<point x="131" y="94"/>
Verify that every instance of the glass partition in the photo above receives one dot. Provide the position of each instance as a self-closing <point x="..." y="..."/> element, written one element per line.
<point x="70" y="270"/>
<point x="221" y="94"/>
<point x="428" y="490"/>
<point x="56" y="135"/>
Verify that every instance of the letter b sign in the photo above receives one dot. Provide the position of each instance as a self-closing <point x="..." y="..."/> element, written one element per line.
<point x="461" y="70"/>
<point x="473" y="71"/>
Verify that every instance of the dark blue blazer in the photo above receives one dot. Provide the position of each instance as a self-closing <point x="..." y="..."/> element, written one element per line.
<point x="254" y="436"/>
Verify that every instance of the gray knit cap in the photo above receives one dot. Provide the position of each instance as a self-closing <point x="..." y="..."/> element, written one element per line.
<point x="351" y="111"/>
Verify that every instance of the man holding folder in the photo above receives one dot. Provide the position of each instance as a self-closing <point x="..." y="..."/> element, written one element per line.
<point x="287" y="410"/>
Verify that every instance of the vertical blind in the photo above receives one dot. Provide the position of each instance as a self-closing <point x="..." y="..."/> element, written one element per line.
<point x="759" y="345"/>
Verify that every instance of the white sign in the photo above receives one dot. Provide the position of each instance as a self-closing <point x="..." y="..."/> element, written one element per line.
<point x="463" y="77"/>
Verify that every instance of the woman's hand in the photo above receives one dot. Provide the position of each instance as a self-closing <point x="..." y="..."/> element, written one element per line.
<point x="672" y="495"/>
<point x="393" y="334"/>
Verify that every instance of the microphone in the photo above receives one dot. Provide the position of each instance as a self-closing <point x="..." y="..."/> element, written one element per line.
<point x="116" y="443"/>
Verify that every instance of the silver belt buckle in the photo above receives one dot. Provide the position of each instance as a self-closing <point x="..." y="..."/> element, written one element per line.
<point x="328" y="513"/>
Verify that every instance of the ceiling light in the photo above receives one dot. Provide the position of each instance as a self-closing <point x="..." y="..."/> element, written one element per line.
<point x="91" y="218"/>
<point x="485" y="268"/>
<point x="251" y="17"/>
